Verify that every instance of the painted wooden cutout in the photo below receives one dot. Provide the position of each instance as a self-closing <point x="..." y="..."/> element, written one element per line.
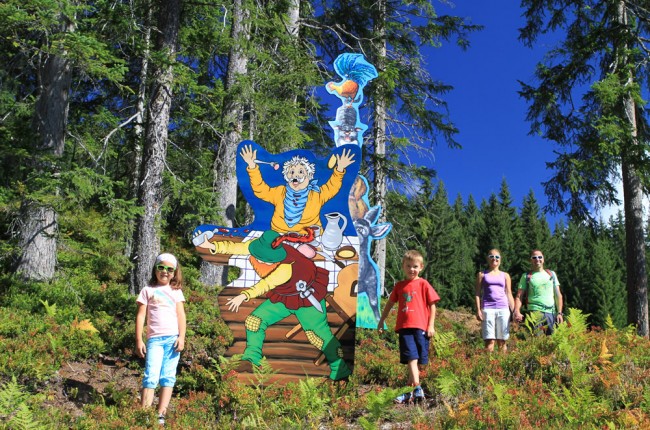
<point x="295" y="300"/>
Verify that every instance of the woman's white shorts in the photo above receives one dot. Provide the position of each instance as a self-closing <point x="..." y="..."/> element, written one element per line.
<point x="495" y="324"/>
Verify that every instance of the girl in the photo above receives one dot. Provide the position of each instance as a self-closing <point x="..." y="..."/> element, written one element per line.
<point x="494" y="302"/>
<point x="161" y="302"/>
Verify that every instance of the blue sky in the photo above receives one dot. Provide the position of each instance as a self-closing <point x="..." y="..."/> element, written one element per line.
<point x="487" y="110"/>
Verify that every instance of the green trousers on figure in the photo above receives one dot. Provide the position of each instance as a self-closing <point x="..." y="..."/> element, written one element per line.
<point x="313" y="322"/>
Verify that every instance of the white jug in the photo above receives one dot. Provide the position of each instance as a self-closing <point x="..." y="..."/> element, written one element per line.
<point x="333" y="233"/>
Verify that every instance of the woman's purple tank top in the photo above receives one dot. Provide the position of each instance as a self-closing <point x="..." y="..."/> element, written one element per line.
<point x="494" y="291"/>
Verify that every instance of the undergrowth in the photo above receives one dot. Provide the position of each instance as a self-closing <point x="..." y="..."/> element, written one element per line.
<point x="579" y="378"/>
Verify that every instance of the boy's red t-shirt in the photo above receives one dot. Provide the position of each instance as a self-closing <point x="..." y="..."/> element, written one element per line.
<point x="413" y="299"/>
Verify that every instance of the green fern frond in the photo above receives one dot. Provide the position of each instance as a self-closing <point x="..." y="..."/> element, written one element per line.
<point x="609" y="323"/>
<point x="533" y="320"/>
<point x="645" y="402"/>
<point x="448" y="383"/>
<point x="579" y="405"/>
<point x="442" y="343"/>
<point x="253" y="421"/>
<point x="577" y="320"/>
<point x="50" y="310"/>
<point x="504" y="401"/>
<point x="14" y="412"/>
<point x="381" y="402"/>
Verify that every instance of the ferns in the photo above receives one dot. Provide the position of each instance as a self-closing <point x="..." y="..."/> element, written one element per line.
<point x="448" y="383"/>
<point x="14" y="412"/>
<point x="579" y="405"/>
<point x="442" y="342"/>
<point x="571" y="338"/>
<point x="505" y="405"/>
<point x="379" y="406"/>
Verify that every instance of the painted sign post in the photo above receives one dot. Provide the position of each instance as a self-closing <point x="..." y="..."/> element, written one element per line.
<point x="307" y="279"/>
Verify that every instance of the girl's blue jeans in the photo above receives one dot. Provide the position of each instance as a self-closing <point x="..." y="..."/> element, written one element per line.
<point x="160" y="362"/>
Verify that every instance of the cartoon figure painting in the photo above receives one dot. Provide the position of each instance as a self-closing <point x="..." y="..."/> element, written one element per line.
<point x="304" y="260"/>
<point x="365" y="222"/>
<point x="298" y="203"/>
<point x="356" y="73"/>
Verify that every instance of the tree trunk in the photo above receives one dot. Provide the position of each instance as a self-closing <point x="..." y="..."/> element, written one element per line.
<point x="225" y="177"/>
<point x="146" y="239"/>
<point x="51" y="115"/>
<point x="139" y="129"/>
<point x="38" y="224"/>
<point x="293" y="17"/>
<point x="637" y="277"/>
<point x="38" y="229"/>
<point x="380" y="138"/>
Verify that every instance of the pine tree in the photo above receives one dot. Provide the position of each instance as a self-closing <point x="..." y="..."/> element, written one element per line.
<point x="501" y="224"/>
<point x="534" y="232"/>
<point x="470" y="255"/>
<point x="474" y="227"/>
<point x="606" y="288"/>
<point x="44" y="46"/>
<point x="573" y="264"/>
<point x="603" y="45"/>
<point x="447" y="268"/>
<point x="147" y="230"/>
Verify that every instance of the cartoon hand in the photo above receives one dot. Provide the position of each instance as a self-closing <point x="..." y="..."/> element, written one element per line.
<point x="344" y="160"/>
<point x="201" y="240"/>
<point x="235" y="302"/>
<point x="249" y="155"/>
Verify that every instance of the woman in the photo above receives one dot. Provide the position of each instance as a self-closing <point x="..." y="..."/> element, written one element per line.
<point x="494" y="302"/>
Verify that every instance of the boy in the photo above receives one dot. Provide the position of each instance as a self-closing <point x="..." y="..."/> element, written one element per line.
<point x="416" y="316"/>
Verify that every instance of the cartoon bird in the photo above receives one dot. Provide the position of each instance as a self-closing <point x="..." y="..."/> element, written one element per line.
<point x="356" y="73"/>
<point x="348" y="89"/>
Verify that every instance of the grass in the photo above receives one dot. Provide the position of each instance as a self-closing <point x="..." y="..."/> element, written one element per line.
<point x="579" y="378"/>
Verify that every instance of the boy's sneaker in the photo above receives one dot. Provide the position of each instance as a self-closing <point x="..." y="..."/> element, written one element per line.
<point x="403" y="398"/>
<point x="418" y="395"/>
<point x="161" y="420"/>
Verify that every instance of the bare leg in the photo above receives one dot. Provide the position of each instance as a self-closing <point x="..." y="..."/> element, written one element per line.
<point x="502" y="346"/>
<point x="165" y="397"/>
<point x="489" y="345"/>
<point x="414" y="373"/>
<point x="146" y="397"/>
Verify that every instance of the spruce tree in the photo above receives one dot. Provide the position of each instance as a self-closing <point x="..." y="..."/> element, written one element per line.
<point x="534" y="232"/>
<point x="572" y="266"/>
<point x="603" y="129"/>
<point x="606" y="288"/>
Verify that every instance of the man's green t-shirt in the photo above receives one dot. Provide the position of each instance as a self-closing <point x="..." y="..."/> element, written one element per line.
<point x="541" y="296"/>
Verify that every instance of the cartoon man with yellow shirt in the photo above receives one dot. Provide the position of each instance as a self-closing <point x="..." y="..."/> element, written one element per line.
<point x="298" y="203"/>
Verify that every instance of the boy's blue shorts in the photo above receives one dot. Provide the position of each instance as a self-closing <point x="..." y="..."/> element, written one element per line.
<point x="413" y="345"/>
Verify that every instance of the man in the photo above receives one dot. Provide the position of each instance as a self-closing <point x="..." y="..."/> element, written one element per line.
<point x="542" y="289"/>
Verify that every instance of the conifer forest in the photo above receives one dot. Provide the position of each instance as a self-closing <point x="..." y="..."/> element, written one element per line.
<point x="119" y="126"/>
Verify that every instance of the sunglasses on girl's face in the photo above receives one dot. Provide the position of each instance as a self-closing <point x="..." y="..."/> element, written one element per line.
<point x="537" y="257"/>
<point x="494" y="257"/>
<point x="163" y="268"/>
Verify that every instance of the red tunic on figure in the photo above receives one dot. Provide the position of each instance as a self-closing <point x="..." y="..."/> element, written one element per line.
<point x="302" y="269"/>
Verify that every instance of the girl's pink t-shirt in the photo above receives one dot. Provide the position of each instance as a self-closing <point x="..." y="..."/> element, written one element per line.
<point x="162" y="319"/>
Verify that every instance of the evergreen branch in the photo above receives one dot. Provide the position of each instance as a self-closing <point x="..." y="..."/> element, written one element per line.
<point x="108" y="136"/>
